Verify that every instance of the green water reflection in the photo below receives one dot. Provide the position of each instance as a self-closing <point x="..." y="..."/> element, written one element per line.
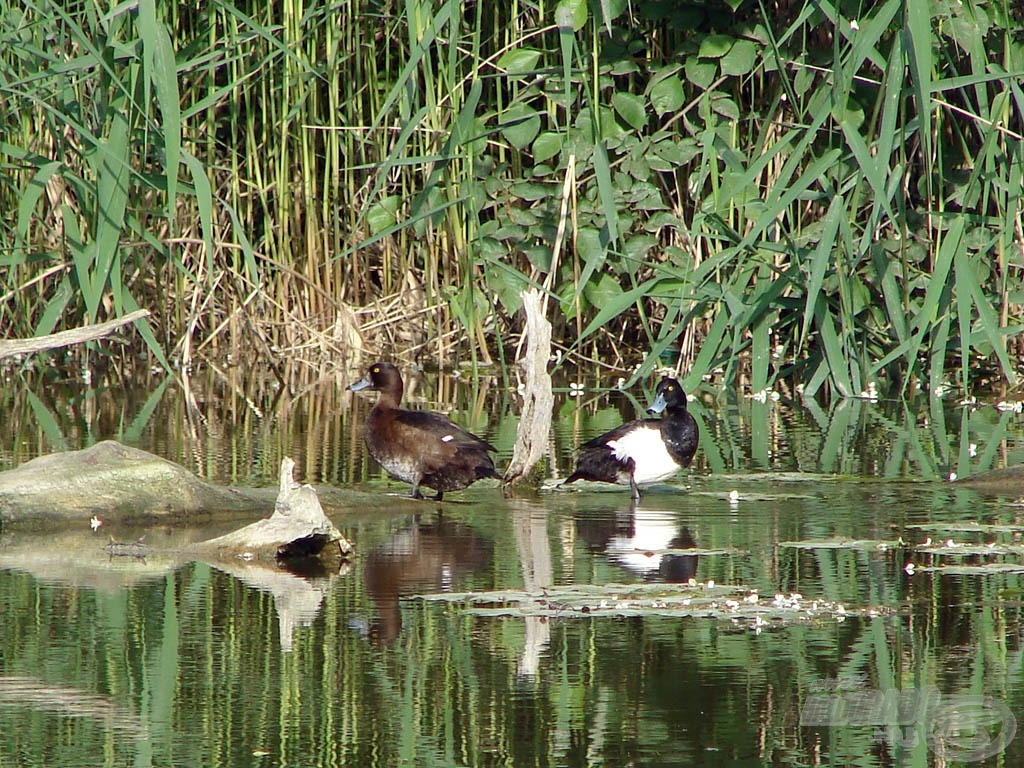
<point x="188" y="664"/>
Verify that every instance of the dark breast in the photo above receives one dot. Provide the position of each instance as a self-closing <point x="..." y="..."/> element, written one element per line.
<point x="680" y="434"/>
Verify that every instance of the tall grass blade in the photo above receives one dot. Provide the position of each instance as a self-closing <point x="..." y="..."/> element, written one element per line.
<point x="161" y="70"/>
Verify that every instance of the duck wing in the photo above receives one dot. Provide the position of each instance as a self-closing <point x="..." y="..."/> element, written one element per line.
<point x="441" y="428"/>
<point x="601" y="441"/>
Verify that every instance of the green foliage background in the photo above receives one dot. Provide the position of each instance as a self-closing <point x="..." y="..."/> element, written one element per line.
<point x="828" y="192"/>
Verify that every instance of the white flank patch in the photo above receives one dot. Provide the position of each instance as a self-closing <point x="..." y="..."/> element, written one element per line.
<point x="645" y="447"/>
<point x="447" y="438"/>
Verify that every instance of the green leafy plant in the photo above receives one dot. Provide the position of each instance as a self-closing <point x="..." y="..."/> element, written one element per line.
<point x="827" y="194"/>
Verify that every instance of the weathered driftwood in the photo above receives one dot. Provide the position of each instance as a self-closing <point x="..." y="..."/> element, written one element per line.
<point x="12" y="347"/>
<point x="538" y="401"/>
<point x="298" y="527"/>
<point x="113" y="481"/>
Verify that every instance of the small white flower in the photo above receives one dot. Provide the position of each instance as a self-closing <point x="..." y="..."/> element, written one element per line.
<point x="909" y="568"/>
<point x="854" y="25"/>
<point x="575" y="390"/>
<point x="1011" y="406"/>
<point x="972" y="450"/>
<point x="95" y="522"/>
<point x="952" y="477"/>
<point x="871" y="393"/>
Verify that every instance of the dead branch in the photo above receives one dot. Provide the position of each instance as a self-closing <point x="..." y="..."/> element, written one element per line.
<point x="67" y="338"/>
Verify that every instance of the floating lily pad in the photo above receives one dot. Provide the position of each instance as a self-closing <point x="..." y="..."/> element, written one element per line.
<point x="971" y="550"/>
<point x="733" y="603"/>
<point x="747" y="496"/>
<point x="985" y="569"/>
<point x="842" y="543"/>
<point x="968" y="527"/>
<point x="695" y="551"/>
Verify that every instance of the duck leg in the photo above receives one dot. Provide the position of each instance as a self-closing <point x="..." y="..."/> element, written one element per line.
<point x="417" y="494"/>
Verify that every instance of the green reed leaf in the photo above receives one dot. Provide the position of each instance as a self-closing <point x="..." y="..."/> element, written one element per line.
<point x="161" y="69"/>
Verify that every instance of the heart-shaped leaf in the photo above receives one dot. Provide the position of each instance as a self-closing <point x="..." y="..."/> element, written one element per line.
<point x="547" y="145"/>
<point x="631" y="108"/>
<point x="667" y="95"/>
<point x="520" y="125"/>
<point x="519" y="61"/>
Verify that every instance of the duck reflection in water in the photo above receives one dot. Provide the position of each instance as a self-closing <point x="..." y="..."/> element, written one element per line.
<point x="637" y="539"/>
<point x="423" y="557"/>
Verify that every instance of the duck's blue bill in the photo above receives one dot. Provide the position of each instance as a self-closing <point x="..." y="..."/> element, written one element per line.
<point x="658" y="405"/>
<point x="363" y="383"/>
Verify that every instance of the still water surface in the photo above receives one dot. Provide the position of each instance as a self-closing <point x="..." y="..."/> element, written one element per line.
<point x="165" y="663"/>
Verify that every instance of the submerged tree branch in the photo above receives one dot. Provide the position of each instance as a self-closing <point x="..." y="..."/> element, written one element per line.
<point x="67" y="338"/>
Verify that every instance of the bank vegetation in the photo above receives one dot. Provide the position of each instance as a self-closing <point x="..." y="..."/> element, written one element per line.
<point x="823" y="193"/>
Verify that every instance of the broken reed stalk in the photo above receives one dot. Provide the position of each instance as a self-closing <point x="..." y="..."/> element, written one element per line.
<point x="67" y="338"/>
<point x="538" y="400"/>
